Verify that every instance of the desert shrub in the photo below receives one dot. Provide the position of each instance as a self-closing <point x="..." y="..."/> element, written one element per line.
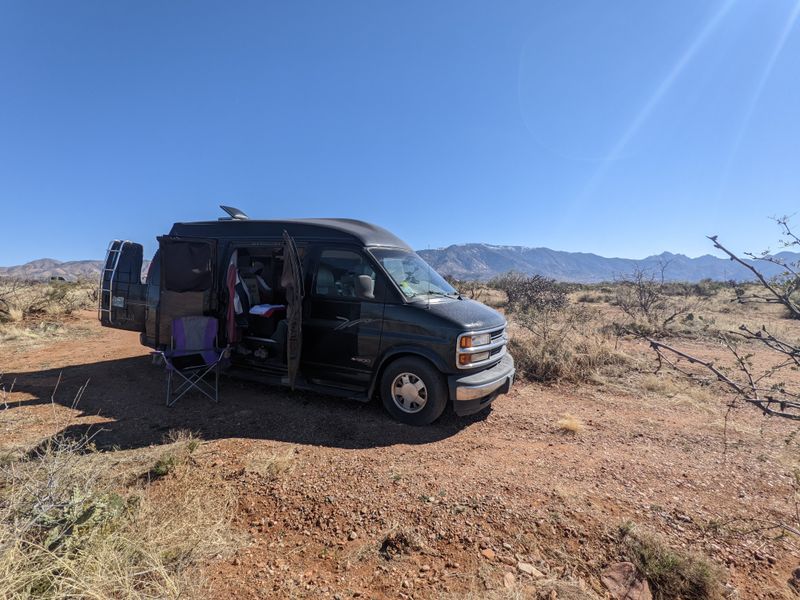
<point x="470" y="288"/>
<point x="20" y="300"/>
<point x="588" y="298"/>
<point x="70" y="528"/>
<point x="565" y="343"/>
<point x="671" y="573"/>
<point x="652" y="305"/>
<point x="531" y="292"/>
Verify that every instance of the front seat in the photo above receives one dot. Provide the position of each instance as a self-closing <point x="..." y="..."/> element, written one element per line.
<point x="326" y="283"/>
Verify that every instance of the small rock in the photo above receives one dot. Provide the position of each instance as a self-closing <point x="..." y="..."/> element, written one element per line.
<point x="353" y="535"/>
<point x="529" y="569"/>
<point x="406" y="583"/>
<point x="509" y="580"/>
<point x="425" y="568"/>
<point x="507" y="546"/>
<point x="624" y="582"/>
<point x="488" y="553"/>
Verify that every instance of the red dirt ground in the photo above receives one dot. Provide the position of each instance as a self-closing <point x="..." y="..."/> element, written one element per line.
<point x="508" y="481"/>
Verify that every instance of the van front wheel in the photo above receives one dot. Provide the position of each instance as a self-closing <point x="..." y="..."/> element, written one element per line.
<point x="413" y="391"/>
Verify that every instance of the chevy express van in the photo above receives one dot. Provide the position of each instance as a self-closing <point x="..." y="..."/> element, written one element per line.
<point x="337" y="306"/>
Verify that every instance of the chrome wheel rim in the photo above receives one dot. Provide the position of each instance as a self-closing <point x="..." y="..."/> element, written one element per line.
<point x="409" y="393"/>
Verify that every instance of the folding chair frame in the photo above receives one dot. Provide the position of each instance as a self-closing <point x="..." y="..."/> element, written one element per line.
<point x="193" y="377"/>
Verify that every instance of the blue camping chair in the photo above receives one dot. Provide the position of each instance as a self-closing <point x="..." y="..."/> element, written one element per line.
<point x="193" y="356"/>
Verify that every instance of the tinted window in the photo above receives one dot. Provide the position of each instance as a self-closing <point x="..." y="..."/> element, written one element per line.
<point x="343" y="274"/>
<point x="186" y="265"/>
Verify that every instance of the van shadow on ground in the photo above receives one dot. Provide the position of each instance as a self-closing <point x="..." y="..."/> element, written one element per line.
<point x="130" y="393"/>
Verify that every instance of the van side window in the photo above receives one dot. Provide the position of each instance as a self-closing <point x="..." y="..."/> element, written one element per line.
<point x="344" y="274"/>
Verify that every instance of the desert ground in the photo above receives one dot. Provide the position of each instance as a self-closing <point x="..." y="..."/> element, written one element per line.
<point x="273" y="494"/>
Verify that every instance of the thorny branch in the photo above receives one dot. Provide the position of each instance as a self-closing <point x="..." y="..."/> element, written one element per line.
<point x="771" y="400"/>
<point x="780" y="289"/>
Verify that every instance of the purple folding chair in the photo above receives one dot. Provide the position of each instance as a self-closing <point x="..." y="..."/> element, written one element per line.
<point x="193" y="355"/>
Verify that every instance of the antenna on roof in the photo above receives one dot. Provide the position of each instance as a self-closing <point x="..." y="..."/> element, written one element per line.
<point x="235" y="214"/>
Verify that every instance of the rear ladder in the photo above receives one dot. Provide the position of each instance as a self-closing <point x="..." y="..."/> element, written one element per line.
<point x="107" y="276"/>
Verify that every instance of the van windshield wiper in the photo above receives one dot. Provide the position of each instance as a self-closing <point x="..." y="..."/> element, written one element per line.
<point x="441" y="293"/>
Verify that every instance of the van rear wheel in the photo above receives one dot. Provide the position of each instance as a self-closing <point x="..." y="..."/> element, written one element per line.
<point x="413" y="391"/>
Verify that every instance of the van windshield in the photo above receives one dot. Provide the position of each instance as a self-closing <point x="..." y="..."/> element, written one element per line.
<point x="412" y="275"/>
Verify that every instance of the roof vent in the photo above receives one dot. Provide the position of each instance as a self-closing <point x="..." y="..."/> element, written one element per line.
<point x="235" y="214"/>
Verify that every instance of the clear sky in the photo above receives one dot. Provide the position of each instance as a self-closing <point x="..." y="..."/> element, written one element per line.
<point x="623" y="128"/>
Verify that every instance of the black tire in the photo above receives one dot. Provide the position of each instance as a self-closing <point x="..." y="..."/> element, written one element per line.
<point x="409" y="371"/>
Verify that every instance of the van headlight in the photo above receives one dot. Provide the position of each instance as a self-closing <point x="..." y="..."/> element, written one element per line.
<point x="472" y="341"/>
<point x="476" y="349"/>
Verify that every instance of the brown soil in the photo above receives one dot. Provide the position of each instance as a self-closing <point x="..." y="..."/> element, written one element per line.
<point x="372" y="508"/>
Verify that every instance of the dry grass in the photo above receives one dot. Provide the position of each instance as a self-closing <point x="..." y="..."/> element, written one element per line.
<point x="489" y="585"/>
<point x="270" y="464"/>
<point x="570" y="424"/>
<point x="73" y="524"/>
<point x="562" y="345"/>
<point x="671" y="573"/>
<point x="20" y="300"/>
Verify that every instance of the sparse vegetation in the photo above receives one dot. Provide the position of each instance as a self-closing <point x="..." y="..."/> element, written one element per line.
<point x="531" y="292"/>
<point x="34" y="311"/>
<point x="70" y="526"/>
<point x="652" y="305"/>
<point x="21" y="300"/>
<point x="671" y="573"/>
<point x="759" y="385"/>
<point x="781" y="289"/>
<point x="566" y="343"/>
<point x="474" y="290"/>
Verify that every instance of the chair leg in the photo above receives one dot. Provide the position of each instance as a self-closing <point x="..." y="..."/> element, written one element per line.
<point x="216" y="384"/>
<point x="169" y="387"/>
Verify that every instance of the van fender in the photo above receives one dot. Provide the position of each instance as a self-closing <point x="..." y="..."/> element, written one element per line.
<point x="406" y="350"/>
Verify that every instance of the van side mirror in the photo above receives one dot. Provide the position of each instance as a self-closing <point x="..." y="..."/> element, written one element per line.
<point x="365" y="287"/>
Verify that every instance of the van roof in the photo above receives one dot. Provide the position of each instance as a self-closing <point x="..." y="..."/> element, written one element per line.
<point x="365" y="234"/>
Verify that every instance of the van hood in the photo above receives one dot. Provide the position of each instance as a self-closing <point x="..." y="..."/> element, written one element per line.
<point x="467" y="315"/>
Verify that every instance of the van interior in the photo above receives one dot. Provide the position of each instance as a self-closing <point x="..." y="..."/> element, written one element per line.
<point x="260" y="304"/>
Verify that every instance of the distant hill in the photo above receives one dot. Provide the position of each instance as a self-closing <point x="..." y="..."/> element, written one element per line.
<point x="484" y="261"/>
<point x="45" y="268"/>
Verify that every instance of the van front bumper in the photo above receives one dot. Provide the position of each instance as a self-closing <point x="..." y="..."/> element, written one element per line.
<point x="472" y="393"/>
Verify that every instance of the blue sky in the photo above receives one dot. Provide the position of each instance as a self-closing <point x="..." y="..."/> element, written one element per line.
<point x="622" y="128"/>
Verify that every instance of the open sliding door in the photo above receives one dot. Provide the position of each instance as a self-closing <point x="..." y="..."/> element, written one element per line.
<point x="292" y="282"/>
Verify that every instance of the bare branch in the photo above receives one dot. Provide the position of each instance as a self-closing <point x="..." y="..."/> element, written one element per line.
<point x="770" y="400"/>
<point x="780" y="296"/>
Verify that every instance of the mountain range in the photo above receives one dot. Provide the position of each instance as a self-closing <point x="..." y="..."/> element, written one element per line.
<point x="45" y="268"/>
<point x="484" y="261"/>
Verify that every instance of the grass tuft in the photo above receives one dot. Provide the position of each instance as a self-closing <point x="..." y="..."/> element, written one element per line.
<point x="270" y="464"/>
<point x="570" y="424"/>
<point x="671" y="573"/>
